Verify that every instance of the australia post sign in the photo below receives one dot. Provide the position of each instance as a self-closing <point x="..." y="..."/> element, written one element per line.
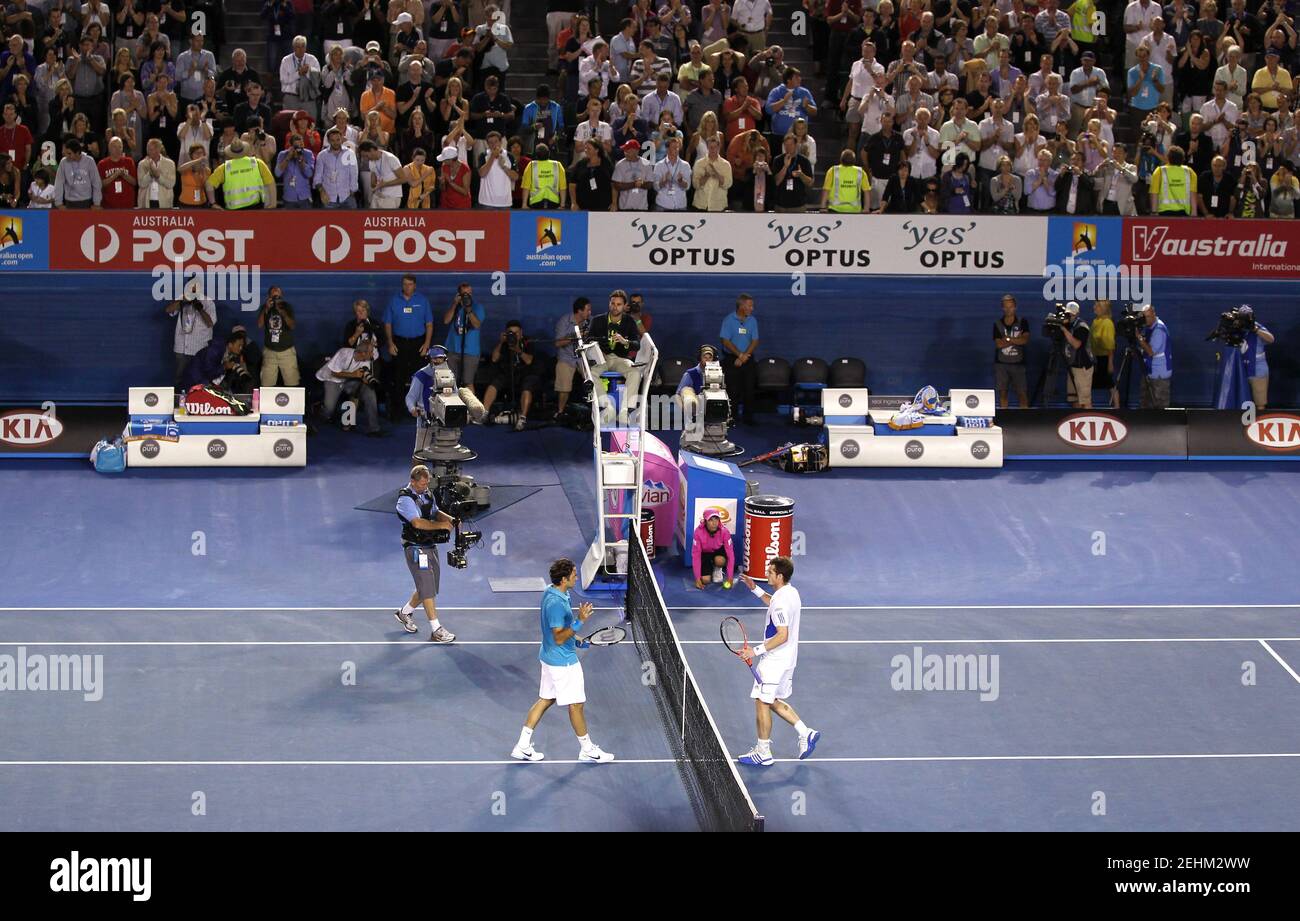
<point x="298" y="241"/>
<point x="1213" y="249"/>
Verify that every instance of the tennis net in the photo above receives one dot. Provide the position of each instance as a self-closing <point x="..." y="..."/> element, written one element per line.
<point x="713" y="784"/>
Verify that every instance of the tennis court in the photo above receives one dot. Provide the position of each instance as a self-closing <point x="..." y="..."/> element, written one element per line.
<point x="267" y="679"/>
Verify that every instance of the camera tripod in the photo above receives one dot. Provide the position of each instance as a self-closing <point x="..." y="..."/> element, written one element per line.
<point x="1045" y="385"/>
<point x="1124" y="373"/>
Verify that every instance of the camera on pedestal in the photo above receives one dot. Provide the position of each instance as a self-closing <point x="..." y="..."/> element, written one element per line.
<point x="708" y="413"/>
<point x="450" y="410"/>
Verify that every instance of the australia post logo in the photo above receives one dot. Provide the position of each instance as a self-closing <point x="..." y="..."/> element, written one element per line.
<point x="28" y="428"/>
<point x="408" y="241"/>
<point x="1275" y="432"/>
<point x="165" y="239"/>
<point x="1092" y="431"/>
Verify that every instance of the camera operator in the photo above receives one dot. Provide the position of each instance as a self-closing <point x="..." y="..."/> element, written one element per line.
<point x="617" y="336"/>
<point x="279" y="357"/>
<point x="1079" y="356"/>
<point x="517" y="372"/>
<point x="1010" y="337"/>
<point x="221" y="364"/>
<point x="421" y="518"/>
<point x="463" y="319"/>
<point x="349" y="372"/>
<point x="566" y="357"/>
<point x="1157" y="360"/>
<point x="1253" y="358"/>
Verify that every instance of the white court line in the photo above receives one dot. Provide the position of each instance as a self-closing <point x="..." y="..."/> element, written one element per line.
<point x="1196" y="756"/>
<point x="732" y="608"/>
<point x="533" y="642"/>
<point x="1280" y="660"/>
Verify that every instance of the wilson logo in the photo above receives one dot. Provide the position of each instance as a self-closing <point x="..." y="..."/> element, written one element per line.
<point x="27" y="427"/>
<point x="1275" y="432"/>
<point x="1093" y="431"/>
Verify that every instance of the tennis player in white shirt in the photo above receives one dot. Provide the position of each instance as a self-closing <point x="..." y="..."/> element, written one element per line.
<point x="775" y="659"/>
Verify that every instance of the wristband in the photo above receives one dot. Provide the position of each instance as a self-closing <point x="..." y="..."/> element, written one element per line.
<point x="758" y="592"/>
<point x="759" y="650"/>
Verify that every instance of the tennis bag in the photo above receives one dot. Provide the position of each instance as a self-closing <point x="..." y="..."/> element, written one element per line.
<point x="206" y="400"/>
<point x="109" y="456"/>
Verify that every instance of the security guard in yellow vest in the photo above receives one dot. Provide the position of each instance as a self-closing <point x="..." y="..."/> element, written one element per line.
<point x="1173" y="187"/>
<point x="846" y="186"/>
<point x="1082" y="13"/>
<point x="544" y="183"/>
<point x="245" y="181"/>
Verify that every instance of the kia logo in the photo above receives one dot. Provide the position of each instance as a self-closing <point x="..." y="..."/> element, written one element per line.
<point x="1275" y="432"/>
<point x="972" y="401"/>
<point x="323" y="251"/>
<point x="216" y="449"/>
<point x="151" y="399"/>
<point x="849" y="448"/>
<point x="28" y="427"/>
<point x="283" y="448"/>
<point x="149" y="449"/>
<point x="913" y="449"/>
<point x="282" y="399"/>
<point x="90" y="246"/>
<point x="979" y="450"/>
<point x="1092" y="431"/>
<point x="845" y="401"/>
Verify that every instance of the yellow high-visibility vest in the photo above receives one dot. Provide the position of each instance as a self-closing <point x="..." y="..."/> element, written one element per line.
<point x="846" y="189"/>
<point x="243" y="183"/>
<point x="1175" y="189"/>
<point x="1081" y="16"/>
<point x="545" y="182"/>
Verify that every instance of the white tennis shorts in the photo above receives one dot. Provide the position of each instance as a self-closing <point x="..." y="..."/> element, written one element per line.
<point x="563" y="684"/>
<point x="778" y="680"/>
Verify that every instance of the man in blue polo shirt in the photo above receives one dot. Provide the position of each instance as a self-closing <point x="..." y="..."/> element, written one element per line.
<point x="408" y="326"/>
<point x="463" y="319"/>
<point x="787" y="103"/>
<point x="739" y="340"/>
<point x="1157" y="360"/>
<point x="1146" y="84"/>
<point x="562" y="681"/>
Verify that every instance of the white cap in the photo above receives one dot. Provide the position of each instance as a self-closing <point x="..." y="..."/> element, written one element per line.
<point x="1072" y="307"/>
<point x="404" y="17"/>
<point x="449" y="153"/>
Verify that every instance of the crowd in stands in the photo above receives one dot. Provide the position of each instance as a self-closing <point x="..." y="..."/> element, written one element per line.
<point x="949" y="106"/>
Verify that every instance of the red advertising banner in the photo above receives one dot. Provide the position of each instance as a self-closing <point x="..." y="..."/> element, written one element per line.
<point x="1205" y="248"/>
<point x="428" y="241"/>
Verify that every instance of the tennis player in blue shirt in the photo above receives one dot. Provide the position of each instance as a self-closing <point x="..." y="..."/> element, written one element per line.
<point x="561" y="672"/>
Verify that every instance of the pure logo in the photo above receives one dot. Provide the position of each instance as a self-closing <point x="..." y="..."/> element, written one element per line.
<point x="283" y="448"/>
<point x="282" y="399"/>
<point x="849" y="448"/>
<point x="845" y="401"/>
<point x="149" y="449"/>
<point x="151" y="399"/>
<point x="972" y="401"/>
<point x="913" y="449"/>
<point x="1092" y="431"/>
<point x="217" y="449"/>
<point x="1275" y="432"/>
<point x="979" y="450"/>
<point x="28" y="428"/>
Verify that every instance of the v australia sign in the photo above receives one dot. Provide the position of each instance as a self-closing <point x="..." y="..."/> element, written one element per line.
<point x="1214" y="249"/>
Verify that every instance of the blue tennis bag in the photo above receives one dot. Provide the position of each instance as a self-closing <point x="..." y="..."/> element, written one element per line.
<point x="109" y="456"/>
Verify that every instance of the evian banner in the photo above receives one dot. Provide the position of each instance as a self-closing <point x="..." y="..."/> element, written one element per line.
<point x="1214" y="248"/>
<point x="421" y="241"/>
<point x="855" y="244"/>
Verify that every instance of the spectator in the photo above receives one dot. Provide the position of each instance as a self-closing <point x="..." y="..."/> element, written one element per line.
<point x="517" y="373"/>
<point x="490" y="110"/>
<point x="336" y="81"/>
<point x="294" y="167"/>
<point x="1085" y="81"/>
<point x="921" y="143"/>
<point x="350" y="372"/>
<point x="1114" y="180"/>
<point x="492" y="40"/>
<point x="1219" y="114"/>
<point x="406" y="37"/>
<point x="1157" y="360"/>
<point x="701" y="101"/>
<point x="742" y="153"/>
<point x="381" y="100"/>
<point x="11" y="187"/>
<point x="87" y="71"/>
<point x="698" y="146"/>
<point x="592" y="129"/>
<point x="1146" y="83"/>
<point x="1041" y="185"/>
<point x="959" y="134"/>
<point x="632" y="179"/>
<point x="408" y="330"/>
<point x="76" y="184"/>
<point x="1216" y="190"/>
<point x="628" y="125"/>
<point x="1234" y="77"/>
<point x="497" y="175"/>
<point x="453" y="180"/>
<point x="592" y="180"/>
<point x="866" y="78"/>
<point x="156" y="176"/>
<point x="221" y="364"/>
<point x="1284" y="189"/>
<point x="660" y="101"/>
<point x="740" y="111"/>
<point x="415" y="136"/>
<point x="672" y="179"/>
<point x="739" y="336"/>
<point x="194" y="130"/>
<point x="1075" y="193"/>
<point x="622" y="49"/>
<point x="155" y="66"/>
<point x="421" y="180"/>
<point x="195" y="317"/>
<point x="752" y="19"/>
<point x="234" y="80"/>
<point x="788" y="102"/>
<point x="1010" y="341"/>
<point x="595" y="70"/>
<point x="1193" y="76"/>
<point x="957" y="188"/>
<point x="1163" y="54"/>
<point x="245" y="181"/>
<point x="712" y="178"/>
<point x="279" y="27"/>
<point x="616" y="333"/>
<point x="1252" y="193"/>
<point x="335" y="172"/>
<point x="542" y="119"/>
<point x="1272" y="82"/>
<point x="1138" y="17"/>
<point x="40" y="194"/>
<point x="15" y="138"/>
<point x="386" y="175"/>
<point x="766" y="71"/>
<point x="807" y="143"/>
<point x="194" y="172"/>
<point x="254" y="107"/>
<point x="193" y="67"/>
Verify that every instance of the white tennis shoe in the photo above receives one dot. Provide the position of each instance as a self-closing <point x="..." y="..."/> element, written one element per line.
<point x="526" y="754"/>
<point x="595" y="755"/>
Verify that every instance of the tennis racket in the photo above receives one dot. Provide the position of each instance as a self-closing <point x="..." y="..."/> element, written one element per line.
<point x="605" y="636"/>
<point x="735" y="639"/>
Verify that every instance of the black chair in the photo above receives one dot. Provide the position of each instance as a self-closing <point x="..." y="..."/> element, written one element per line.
<point x="810" y="373"/>
<point x="669" y="371"/>
<point x="773" y="375"/>
<point x="847" y="372"/>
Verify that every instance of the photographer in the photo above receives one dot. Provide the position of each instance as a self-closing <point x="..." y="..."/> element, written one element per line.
<point x="295" y="167"/>
<point x="463" y="319"/>
<point x="566" y="358"/>
<point x="1252" y="193"/>
<point x="349" y="372"/>
<point x="617" y="336"/>
<point x="1079" y="356"/>
<point x="518" y="373"/>
<point x="195" y="316"/>
<point x="640" y="316"/>
<point x="1010" y="337"/>
<point x="1157" y="360"/>
<point x="279" y="357"/>
<point x="222" y="365"/>
<point x="1253" y="357"/>
<point x="421" y="518"/>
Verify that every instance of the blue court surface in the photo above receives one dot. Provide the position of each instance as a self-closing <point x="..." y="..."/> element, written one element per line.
<point x="1132" y="629"/>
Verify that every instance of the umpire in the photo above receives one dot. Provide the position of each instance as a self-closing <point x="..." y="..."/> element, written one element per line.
<point x="421" y="520"/>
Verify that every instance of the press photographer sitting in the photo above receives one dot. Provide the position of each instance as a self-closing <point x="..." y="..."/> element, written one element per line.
<point x="221" y="364"/>
<point x="1157" y="360"/>
<point x="349" y="372"/>
<point x="1079" y="356"/>
<point x="517" y="373"/>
